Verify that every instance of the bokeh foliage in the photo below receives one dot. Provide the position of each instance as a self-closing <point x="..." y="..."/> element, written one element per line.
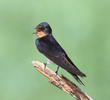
<point x="82" y="27"/>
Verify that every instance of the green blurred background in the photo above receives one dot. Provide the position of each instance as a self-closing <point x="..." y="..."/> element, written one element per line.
<point x="82" y="27"/>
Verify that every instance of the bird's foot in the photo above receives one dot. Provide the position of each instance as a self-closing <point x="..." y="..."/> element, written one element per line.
<point x="45" y="64"/>
<point x="57" y="70"/>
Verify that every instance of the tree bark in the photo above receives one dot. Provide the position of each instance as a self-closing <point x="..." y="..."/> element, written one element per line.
<point x="61" y="82"/>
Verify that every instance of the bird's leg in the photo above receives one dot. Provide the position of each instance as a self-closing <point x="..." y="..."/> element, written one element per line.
<point x="45" y="64"/>
<point x="48" y="62"/>
<point x="57" y="70"/>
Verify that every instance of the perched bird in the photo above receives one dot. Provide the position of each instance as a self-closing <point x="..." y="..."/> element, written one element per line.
<point x="50" y="48"/>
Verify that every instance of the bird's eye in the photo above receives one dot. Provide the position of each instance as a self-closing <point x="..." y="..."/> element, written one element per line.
<point x="46" y="27"/>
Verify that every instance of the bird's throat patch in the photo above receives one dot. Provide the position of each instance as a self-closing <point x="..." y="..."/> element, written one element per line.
<point x="41" y="34"/>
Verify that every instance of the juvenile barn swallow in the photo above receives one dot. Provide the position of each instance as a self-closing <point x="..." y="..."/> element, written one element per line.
<point x="50" y="48"/>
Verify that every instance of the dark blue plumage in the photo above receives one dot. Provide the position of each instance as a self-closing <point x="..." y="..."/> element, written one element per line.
<point x="50" y="48"/>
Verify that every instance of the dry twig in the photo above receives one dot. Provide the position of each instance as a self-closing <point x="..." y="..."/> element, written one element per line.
<point x="61" y="82"/>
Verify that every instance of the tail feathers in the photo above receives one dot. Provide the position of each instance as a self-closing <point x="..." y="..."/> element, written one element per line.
<point x="78" y="79"/>
<point x="75" y="72"/>
<point x="81" y="74"/>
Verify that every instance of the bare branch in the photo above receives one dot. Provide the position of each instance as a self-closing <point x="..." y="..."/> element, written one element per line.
<point x="61" y="82"/>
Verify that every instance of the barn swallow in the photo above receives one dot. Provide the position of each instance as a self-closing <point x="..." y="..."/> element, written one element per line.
<point x="49" y="47"/>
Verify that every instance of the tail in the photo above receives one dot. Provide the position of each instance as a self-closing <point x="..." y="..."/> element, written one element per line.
<point x="75" y="72"/>
<point x="78" y="79"/>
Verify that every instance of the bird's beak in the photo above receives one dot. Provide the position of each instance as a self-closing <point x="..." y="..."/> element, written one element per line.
<point x="33" y="33"/>
<point x="35" y="28"/>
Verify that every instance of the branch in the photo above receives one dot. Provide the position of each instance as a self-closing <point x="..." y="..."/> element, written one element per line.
<point x="61" y="82"/>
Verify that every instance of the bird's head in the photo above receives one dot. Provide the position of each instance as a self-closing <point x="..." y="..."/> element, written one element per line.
<point x="43" y="29"/>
